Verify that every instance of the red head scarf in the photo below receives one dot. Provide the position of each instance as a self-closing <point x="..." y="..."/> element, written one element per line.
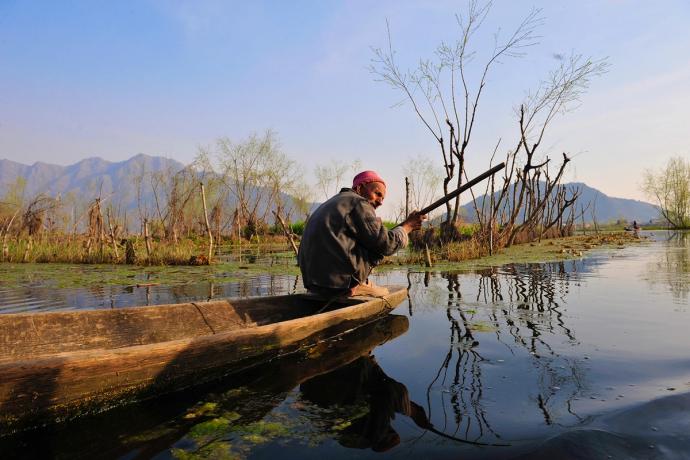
<point x="365" y="177"/>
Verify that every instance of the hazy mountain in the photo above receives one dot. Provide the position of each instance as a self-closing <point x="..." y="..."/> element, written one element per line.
<point x="92" y="177"/>
<point x="86" y="179"/>
<point x="607" y="208"/>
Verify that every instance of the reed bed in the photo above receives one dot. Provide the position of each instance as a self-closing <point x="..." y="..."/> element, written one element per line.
<point x="63" y="249"/>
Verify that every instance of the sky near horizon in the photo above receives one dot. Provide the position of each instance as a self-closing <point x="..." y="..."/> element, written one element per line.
<point x="80" y="79"/>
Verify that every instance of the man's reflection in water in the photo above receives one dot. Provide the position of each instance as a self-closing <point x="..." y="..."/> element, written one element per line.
<point x="363" y="383"/>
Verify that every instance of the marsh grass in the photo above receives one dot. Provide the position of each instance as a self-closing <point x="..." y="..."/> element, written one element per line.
<point x="76" y="250"/>
<point x="472" y="254"/>
<point x="471" y="247"/>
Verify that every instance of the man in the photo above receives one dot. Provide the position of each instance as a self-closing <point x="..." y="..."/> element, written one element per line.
<point x="344" y="240"/>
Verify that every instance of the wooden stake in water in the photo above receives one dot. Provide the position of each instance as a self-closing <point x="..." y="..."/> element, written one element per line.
<point x="407" y="197"/>
<point x="147" y="240"/>
<point x="208" y="227"/>
<point x="112" y="235"/>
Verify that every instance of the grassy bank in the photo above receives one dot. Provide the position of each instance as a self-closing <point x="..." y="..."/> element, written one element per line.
<point x="80" y="250"/>
<point x="129" y="251"/>
<point x="61" y="275"/>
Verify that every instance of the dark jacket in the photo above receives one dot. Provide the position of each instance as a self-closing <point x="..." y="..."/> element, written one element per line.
<point x="343" y="240"/>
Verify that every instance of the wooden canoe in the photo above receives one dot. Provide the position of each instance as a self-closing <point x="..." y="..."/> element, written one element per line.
<point x="146" y="429"/>
<point x="59" y="365"/>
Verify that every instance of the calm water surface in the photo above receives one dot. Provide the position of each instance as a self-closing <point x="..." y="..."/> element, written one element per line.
<point x="578" y="359"/>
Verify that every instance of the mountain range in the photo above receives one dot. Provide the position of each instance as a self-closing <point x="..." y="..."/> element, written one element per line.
<point x="605" y="208"/>
<point x="94" y="176"/>
<point x="88" y="178"/>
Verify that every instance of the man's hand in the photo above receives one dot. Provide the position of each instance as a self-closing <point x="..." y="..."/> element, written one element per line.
<point x="413" y="222"/>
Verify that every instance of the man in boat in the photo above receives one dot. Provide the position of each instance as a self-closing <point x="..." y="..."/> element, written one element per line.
<point x="344" y="240"/>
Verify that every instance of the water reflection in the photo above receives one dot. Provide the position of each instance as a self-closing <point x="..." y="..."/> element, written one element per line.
<point x="525" y="354"/>
<point x="263" y="254"/>
<point x="521" y="308"/>
<point x="670" y="267"/>
<point x="372" y="396"/>
<point x="43" y="297"/>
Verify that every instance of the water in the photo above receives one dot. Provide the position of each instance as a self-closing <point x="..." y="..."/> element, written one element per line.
<point x="576" y="359"/>
<point x="48" y="287"/>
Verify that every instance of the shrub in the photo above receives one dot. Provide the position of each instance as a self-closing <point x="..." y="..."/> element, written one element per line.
<point x="297" y="227"/>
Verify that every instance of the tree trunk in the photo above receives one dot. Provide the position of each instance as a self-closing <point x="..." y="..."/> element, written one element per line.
<point x="287" y="231"/>
<point x="147" y="240"/>
<point x="112" y="236"/>
<point x="130" y="254"/>
<point x="427" y="255"/>
<point x="208" y="227"/>
<point x="407" y="197"/>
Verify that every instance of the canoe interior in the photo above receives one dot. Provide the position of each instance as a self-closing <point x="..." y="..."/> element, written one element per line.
<point x="28" y="335"/>
<point x="138" y="427"/>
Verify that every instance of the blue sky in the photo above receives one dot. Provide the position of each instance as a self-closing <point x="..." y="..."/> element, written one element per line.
<point x="113" y="79"/>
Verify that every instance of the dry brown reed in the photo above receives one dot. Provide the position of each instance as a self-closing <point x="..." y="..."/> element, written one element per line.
<point x="467" y="241"/>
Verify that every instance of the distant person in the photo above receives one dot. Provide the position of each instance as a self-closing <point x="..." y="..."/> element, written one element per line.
<point x="343" y="240"/>
<point x="636" y="229"/>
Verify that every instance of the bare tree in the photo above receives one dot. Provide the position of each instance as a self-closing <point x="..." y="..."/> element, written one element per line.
<point x="528" y="184"/>
<point x="11" y="206"/>
<point x="425" y="181"/>
<point x="302" y="196"/>
<point x="594" y="214"/>
<point x="331" y="177"/>
<point x="282" y="177"/>
<point x="554" y="96"/>
<point x="142" y="207"/>
<point x="446" y="101"/>
<point x="33" y="219"/>
<point x="670" y="188"/>
<point x="440" y="90"/>
<point x="254" y="174"/>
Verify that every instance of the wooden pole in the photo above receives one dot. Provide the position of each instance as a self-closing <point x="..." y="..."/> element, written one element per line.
<point x="147" y="240"/>
<point x="208" y="227"/>
<point x="112" y="235"/>
<point x="407" y="197"/>
<point x="455" y="193"/>
<point x="491" y="217"/>
<point x="239" y="235"/>
<point x="491" y="224"/>
<point x="288" y="233"/>
<point x="458" y="191"/>
<point x="427" y="254"/>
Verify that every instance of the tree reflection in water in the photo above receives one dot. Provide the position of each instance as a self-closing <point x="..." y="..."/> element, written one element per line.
<point x="671" y="267"/>
<point x="368" y="400"/>
<point x="522" y="306"/>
